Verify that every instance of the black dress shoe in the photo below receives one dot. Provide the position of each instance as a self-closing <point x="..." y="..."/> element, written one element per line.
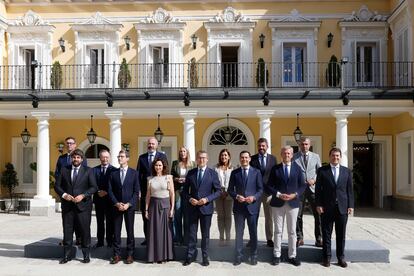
<point x="318" y="244"/>
<point x="270" y="243"/>
<point x="205" y="262"/>
<point x="144" y="242"/>
<point x="86" y="260"/>
<point x="237" y="262"/>
<point x="78" y="241"/>
<point x="326" y="262"/>
<point x="299" y="243"/>
<point x="253" y="261"/>
<point x="187" y="262"/>
<point x="342" y="263"/>
<point x="98" y="244"/>
<point x="64" y="260"/>
<point x="249" y="244"/>
<point x="294" y="261"/>
<point x="276" y="261"/>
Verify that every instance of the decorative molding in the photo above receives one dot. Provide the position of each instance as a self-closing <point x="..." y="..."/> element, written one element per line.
<point x="365" y="15"/>
<point x="98" y="19"/>
<point x="230" y="15"/>
<point x="160" y="16"/>
<point x="97" y="22"/>
<point x="30" y="18"/>
<point x="295" y="16"/>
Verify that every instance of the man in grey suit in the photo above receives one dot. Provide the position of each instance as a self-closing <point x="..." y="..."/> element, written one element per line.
<point x="264" y="162"/>
<point x="309" y="162"/>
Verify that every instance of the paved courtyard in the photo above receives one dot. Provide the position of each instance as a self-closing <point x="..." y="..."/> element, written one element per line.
<point x="393" y="230"/>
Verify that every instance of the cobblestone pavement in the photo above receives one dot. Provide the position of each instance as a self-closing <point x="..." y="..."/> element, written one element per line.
<point x="393" y="230"/>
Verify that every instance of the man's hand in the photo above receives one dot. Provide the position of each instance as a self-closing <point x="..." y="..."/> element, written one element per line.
<point x="350" y="211"/>
<point x="240" y="198"/>
<point x="126" y="206"/>
<point x="193" y="201"/>
<point x="250" y="199"/>
<point x="68" y="197"/>
<point x="102" y="193"/>
<point x="203" y="201"/>
<point x="319" y="209"/>
<point x="311" y="182"/>
<point x="79" y="198"/>
<point x="120" y="206"/>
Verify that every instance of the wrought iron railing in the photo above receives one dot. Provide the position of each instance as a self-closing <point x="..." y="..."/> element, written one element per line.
<point x="242" y="75"/>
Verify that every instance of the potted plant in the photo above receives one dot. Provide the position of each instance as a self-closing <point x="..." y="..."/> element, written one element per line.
<point x="193" y="73"/>
<point x="9" y="181"/>
<point x="260" y="73"/>
<point x="124" y="76"/>
<point x="56" y="75"/>
<point x="333" y="72"/>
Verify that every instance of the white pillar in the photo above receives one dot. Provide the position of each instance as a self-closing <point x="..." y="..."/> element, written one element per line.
<point x="189" y="131"/>
<point x="265" y="131"/>
<point x="342" y="133"/>
<point x="42" y="204"/>
<point x="115" y="134"/>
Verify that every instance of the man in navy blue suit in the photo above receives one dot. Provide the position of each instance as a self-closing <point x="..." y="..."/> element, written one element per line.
<point x="65" y="160"/>
<point x="201" y="188"/>
<point x="103" y="204"/>
<point x="123" y="190"/>
<point x="285" y="185"/>
<point x="246" y="188"/>
<point x="335" y="201"/>
<point x="144" y="171"/>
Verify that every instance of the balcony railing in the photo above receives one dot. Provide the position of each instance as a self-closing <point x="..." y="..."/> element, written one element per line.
<point x="307" y="75"/>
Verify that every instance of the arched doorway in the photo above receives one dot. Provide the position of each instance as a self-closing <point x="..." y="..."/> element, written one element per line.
<point x="92" y="151"/>
<point x="241" y="139"/>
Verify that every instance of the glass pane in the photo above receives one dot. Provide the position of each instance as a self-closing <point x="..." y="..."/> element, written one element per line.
<point x="93" y="66"/>
<point x="368" y="64"/>
<point x="27" y="159"/>
<point x="299" y="64"/>
<point x="287" y="64"/>
<point x="166" y="71"/>
<point x="102" y="66"/>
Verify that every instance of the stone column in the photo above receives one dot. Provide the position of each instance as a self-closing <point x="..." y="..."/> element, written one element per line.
<point x="189" y="131"/>
<point x="115" y="134"/>
<point x="342" y="133"/>
<point x="265" y="131"/>
<point x="42" y="203"/>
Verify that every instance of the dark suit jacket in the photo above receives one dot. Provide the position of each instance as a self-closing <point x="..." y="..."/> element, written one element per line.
<point x="64" y="161"/>
<point x="85" y="184"/>
<point x="175" y="172"/>
<point x="270" y="163"/>
<point x="209" y="188"/>
<point x="102" y="180"/>
<point x="144" y="170"/>
<point x="254" y="187"/>
<point x="126" y="193"/>
<point x="328" y="192"/>
<point x="277" y="183"/>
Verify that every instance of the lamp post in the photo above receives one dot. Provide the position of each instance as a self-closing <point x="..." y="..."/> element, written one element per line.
<point x="127" y="40"/>
<point x="62" y="44"/>
<point x="25" y="133"/>
<point x="370" y="132"/>
<point x="158" y="134"/>
<point x="330" y="39"/>
<point x="262" y="38"/>
<point x="297" y="133"/>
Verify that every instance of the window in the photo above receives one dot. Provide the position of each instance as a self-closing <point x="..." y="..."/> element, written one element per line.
<point x="22" y="157"/>
<point x="366" y="65"/>
<point x="237" y="137"/>
<point x="403" y="66"/>
<point x="160" y="65"/>
<point x="404" y="161"/>
<point x="96" y="67"/>
<point x="293" y="63"/>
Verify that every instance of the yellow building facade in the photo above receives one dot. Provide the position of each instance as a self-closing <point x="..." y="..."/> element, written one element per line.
<point x="259" y="68"/>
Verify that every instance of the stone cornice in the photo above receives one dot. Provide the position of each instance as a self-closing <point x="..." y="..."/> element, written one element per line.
<point x="229" y="25"/>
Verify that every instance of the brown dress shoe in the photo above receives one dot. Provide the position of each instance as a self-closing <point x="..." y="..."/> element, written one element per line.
<point x="326" y="262"/>
<point x="129" y="260"/>
<point x="342" y="263"/>
<point x="299" y="243"/>
<point x="115" y="259"/>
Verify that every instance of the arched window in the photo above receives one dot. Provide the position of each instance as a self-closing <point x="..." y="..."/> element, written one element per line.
<point x="93" y="151"/>
<point x="237" y="137"/>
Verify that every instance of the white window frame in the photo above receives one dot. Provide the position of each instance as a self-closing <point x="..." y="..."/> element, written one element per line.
<point x="404" y="182"/>
<point x="294" y="81"/>
<point x="17" y="160"/>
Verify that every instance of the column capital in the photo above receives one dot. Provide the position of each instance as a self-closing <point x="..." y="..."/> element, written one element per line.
<point x="265" y="114"/>
<point x="188" y="114"/>
<point x="41" y="115"/>
<point x="342" y="113"/>
<point x="114" y="114"/>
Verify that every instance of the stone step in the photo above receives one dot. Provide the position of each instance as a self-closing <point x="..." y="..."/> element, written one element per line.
<point x="356" y="251"/>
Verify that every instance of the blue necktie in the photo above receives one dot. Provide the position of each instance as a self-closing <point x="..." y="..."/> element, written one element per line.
<point x="199" y="177"/>
<point x="334" y="175"/>
<point x="244" y="177"/>
<point x="286" y="173"/>
<point x="262" y="164"/>
<point x="75" y="174"/>
<point x="122" y="176"/>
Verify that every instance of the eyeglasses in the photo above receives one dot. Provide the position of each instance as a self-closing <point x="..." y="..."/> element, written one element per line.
<point x="70" y="143"/>
<point x="121" y="156"/>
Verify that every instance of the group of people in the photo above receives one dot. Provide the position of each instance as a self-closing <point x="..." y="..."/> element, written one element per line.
<point x="173" y="203"/>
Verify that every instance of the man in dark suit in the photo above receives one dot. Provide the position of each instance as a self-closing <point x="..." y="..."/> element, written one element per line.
<point x="201" y="188"/>
<point x="264" y="162"/>
<point x="309" y="162"/>
<point x="75" y="185"/>
<point x="103" y="204"/>
<point x="65" y="160"/>
<point x="144" y="171"/>
<point x="123" y="190"/>
<point x="246" y="188"/>
<point x="285" y="185"/>
<point x="334" y="201"/>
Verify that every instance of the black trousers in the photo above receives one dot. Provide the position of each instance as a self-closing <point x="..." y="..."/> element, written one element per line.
<point x="144" y="219"/>
<point x="309" y="196"/>
<point x="129" y="217"/>
<point x="239" y="221"/>
<point x="104" y="220"/>
<point x="205" y="223"/>
<point x="74" y="219"/>
<point x="329" y="218"/>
